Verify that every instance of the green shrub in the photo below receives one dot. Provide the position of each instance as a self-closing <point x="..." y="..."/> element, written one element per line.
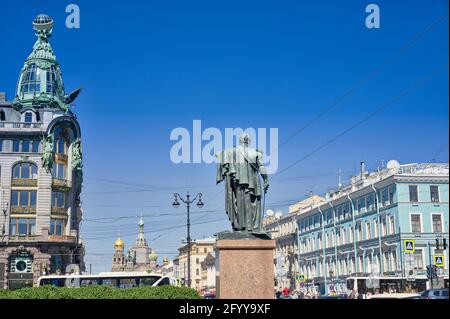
<point x="101" y="292"/>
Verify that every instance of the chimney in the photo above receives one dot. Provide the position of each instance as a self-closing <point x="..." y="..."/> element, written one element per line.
<point x="363" y="169"/>
<point x="2" y="97"/>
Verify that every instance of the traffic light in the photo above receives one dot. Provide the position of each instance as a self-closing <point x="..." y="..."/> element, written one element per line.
<point x="430" y="271"/>
<point x="437" y="243"/>
<point x="435" y="271"/>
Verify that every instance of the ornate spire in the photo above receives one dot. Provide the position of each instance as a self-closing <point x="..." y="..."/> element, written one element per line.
<point x="141" y="241"/>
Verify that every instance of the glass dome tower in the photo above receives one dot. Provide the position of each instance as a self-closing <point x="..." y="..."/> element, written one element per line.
<point x="40" y="81"/>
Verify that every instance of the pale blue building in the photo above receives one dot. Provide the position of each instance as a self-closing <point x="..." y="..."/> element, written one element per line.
<point x="360" y="230"/>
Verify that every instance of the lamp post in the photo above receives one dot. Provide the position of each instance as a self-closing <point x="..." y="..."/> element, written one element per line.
<point x="188" y="203"/>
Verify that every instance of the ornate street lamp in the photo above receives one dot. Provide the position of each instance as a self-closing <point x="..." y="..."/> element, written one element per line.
<point x="188" y="203"/>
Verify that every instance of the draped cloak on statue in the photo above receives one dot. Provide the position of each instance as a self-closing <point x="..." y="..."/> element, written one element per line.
<point x="240" y="168"/>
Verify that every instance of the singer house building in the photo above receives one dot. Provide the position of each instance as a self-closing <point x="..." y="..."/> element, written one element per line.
<point x="40" y="171"/>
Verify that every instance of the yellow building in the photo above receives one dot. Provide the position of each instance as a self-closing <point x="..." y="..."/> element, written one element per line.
<point x="199" y="250"/>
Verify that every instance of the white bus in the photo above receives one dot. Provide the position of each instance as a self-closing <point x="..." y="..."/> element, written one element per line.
<point x="112" y="279"/>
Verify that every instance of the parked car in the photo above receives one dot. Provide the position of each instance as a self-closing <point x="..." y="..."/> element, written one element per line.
<point x="395" y="296"/>
<point x="434" y="294"/>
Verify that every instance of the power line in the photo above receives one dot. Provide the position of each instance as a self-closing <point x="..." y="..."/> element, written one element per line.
<point x="369" y="116"/>
<point x="157" y="230"/>
<point x="439" y="151"/>
<point x="366" y="79"/>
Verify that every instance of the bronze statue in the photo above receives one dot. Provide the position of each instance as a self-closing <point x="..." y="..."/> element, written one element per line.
<point x="240" y="168"/>
<point x="48" y="156"/>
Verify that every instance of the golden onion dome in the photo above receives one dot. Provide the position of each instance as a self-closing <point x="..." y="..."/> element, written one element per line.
<point x="118" y="243"/>
<point x="153" y="256"/>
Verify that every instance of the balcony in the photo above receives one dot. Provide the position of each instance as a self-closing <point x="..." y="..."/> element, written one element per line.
<point x="62" y="238"/>
<point x="59" y="211"/>
<point x="24" y="182"/>
<point x="61" y="184"/>
<point x="23" y="210"/>
<point x="61" y="157"/>
<point x="42" y="238"/>
<point x="21" y="126"/>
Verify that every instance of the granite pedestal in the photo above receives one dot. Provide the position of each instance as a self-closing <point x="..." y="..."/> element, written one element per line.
<point x="244" y="269"/>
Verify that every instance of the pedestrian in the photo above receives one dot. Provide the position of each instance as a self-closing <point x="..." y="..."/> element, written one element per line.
<point x="286" y="291"/>
<point x="278" y="294"/>
<point x="294" y="294"/>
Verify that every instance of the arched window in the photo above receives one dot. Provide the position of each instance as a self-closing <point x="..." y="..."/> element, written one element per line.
<point x="60" y="145"/>
<point x="31" y="80"/>
<point x="25" y="170"/>
<point x="52" y="82"/>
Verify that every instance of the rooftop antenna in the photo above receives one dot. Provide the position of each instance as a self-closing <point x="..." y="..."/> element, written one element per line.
<point x="339" y="178"/>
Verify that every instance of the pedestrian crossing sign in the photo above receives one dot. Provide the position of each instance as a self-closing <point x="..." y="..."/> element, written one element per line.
<point x="439" y="260"/>
<point x="301" y="277"/>
<point x="409" y="246"/>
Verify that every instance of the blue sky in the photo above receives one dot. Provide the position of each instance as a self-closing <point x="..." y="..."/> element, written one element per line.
<point x="148" y="67"/>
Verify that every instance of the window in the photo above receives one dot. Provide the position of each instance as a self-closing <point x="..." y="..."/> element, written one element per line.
<point x="25" y="146"/>
<point x="2" y="116"/>
<point x="368" y="232"/>
<point x="413" y="195"/>
<point x="59" y="171"/>
<point x="23" y="198"/>
<point x="351" y="234"/>
<point x="384" y="227"/>
<point x="57" y="227"/>
<point x="31" y="79"/>
<point x="16" y="146"/>
<point x="437" y="223"/>
<point x="392" y="224"/>
<point x="52" y="83"/>
<point x="25" y="170"/>
<point x="415" y="223"/>
<point x="375" y="228"/>
<point x="434" y="192"/>
<point x="391" y="195"/>
<point x="35" y="147"/>
<point x="361" y="203"/>
<point x="418" y="260"/>
<point x="28" y="117"/>
<point x="58" y="199"/>
<point x="367" y="204"/>
<point x="22" y="226"/>
<point x="384" y="197"/>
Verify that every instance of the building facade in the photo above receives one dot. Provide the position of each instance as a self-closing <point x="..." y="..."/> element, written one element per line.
<point x="283" y="229"/>
<point x="40" y="171"/>
<point x="140" y="257"/>
<point x="208" y="266"/>
<point x="361" y="229"/>
<point x="200" y="249"/>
